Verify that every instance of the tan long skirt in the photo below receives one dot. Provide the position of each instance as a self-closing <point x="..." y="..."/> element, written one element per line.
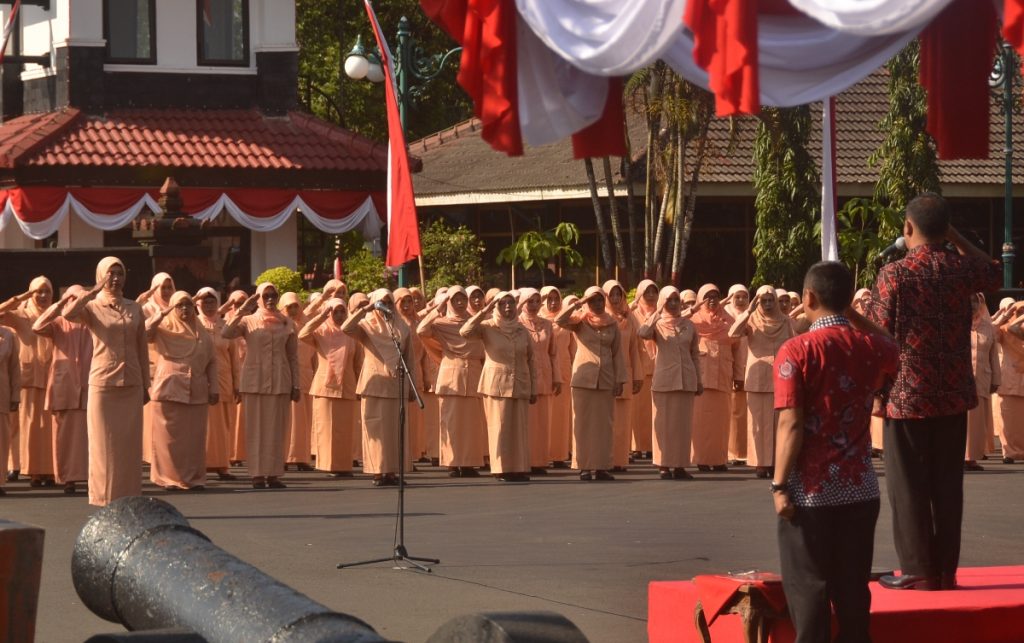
<point x="673" y="427"/>
<point x="711" y="428"/>
<point x="334" y="424"/>
<point x="417" y="440"/>
<point x="36" y="433"/>
<point x="13" y="451"/>
<point x="643" y="414"/>
<point x="219" y="435"/>
<point x="71" y="446"/>
<point x="739" y="445"/>
<point x="762" y="419"/>
<point x="431" y="425"/>
<point x="114" y="416"/>
<point x="462" y="436"/>
<point x="300" y="431"/>
<point x="560" y="426"/>
<point x="1011" y="407"/>
<point x="147" y="433"/>
<point x="238" y="441"/>
<point x="5" y="441"/>
<point x="622" y="431"/>
<point x="380" y="434"/>
<point x="179" y="444"/>
<point x="979" y="426"/>
<point x="997" y="420"/>
<point x="266" y="419"/>
<point x="539" y="416"/>
<point x="507" y="433"/>
<point x="592" y="430"/>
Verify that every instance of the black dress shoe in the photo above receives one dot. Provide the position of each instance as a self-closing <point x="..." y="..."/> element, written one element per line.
<point x="522" y="477"/>
<point x="909" y="581"/>
<point x="259" y="483"/>
<point x="720" y="468"/>
<point x="666" y="475"/>
<point x="559" y="464"/>
<point x="378" y="481"/>
<point x="455" y="472"/>
<point x="340" y="474"/>
<point x="1005" y="461"/>
<point x="226" y="476"/>
<point x="947" y="581"/>
<point x="274" y="483"/>
<point x="196" y="489"/>
<point x="971" y="465"/>
<point x="538" y="471"/>
<point x="585" y="475"/>
<point x="12" y="476"/>
<point x="703" y="468"/>
<point x="603" y="475"/>
<point x="435" y="462"/>
<point x="470" y="472"/>
<point x="682" y="474"/>
<point x="69" y="488"/>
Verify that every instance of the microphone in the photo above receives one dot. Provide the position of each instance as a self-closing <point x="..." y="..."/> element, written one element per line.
<point x="896" y="246"/>
<point x="383" y="309"/>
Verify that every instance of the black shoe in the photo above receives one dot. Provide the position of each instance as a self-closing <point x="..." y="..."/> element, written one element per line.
<point x="559" y="464"/>
<point x="538" y="471"/>
<point x="12" y="476"/>
<point x="971" y="465"/>
<point x="69" y="488"/>
<point x="470" y="472"/>
<point x="486" y="466"/>
<point x="947" y="581"/>
<point x="505" y="477"/>
<point x="1005" y="461"/>
<point x="666" y="475"/>
<point x="35" y="483"/>
<point x="909" y="581"/>
<point x="720" y="468"/>
<point x="762" y="473"/>
<point x="226" y="476"/>
<point x="585" y="475"/>
<point x="259" y="483"/>
<point x="603" y="475"/>
<point x="618" y="469"/>
<point x="340" y="474"/>
<point x="423" y="460"/>
<point x="196" y="489"/>
<point x="274" y="483"/>
<point x="391" y="480"/>
<point x="378" y="481"/>
<point x="455" y="472"/>
<point x="682" y="474"/>
<point x="435" y="462"/>
<point x="703" y="468"/>
<point x="522" y="477"/>
<point x="302" y="466"/>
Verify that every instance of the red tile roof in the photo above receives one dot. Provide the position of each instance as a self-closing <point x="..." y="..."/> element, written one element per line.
<point x="236" y="139"/>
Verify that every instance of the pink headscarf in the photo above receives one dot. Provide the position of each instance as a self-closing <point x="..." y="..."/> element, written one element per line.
<point x="646" y="310"/>
<point x="592" y="319"/>
<point x="712" y="324"/>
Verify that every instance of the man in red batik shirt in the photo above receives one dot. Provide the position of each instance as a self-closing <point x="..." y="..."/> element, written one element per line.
<point x="924" y="300"/>
<point x="825" y="489"/>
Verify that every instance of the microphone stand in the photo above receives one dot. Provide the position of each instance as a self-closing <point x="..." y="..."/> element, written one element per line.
<point x="400" y="554"/>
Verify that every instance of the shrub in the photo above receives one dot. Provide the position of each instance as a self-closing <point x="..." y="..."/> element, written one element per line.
<point x="451" y="256"/>
<point x="365" y="272"/>
<point x="284" y="279"/>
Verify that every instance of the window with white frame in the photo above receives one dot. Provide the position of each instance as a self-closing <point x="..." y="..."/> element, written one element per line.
<point x="129" y="27"/>
<point x="222" y="29"/>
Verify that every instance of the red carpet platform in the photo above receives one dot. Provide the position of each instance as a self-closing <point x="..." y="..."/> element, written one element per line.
<point x="988" y="607"/>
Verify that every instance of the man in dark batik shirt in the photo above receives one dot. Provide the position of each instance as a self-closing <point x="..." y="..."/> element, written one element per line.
<point x="924" y="300"/>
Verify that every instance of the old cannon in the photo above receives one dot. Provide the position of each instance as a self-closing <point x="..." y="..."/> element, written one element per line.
<point x="139" y="563"/>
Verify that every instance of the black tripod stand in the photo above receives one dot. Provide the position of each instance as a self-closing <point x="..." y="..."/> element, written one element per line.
<point x="400" y="555"/>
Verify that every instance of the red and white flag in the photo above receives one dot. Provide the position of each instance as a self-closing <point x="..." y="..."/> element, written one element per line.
<point x="403" y="226"/>
<point x="9" y="27"/>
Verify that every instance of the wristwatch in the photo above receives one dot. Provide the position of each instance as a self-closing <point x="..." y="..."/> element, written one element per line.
<point x="776" y="487"/>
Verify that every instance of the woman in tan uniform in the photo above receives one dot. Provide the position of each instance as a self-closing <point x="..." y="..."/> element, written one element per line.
<point x="739" y="303"/>
<point x="860" y="300"/>
<point x="378" y="385"/>
<point x="35" y="423"/>
<point x="184" y="387"/>
<point x="10" y="389"/>
<point x="221" y="417"/>
<point x="1005" y="307"/>
<point x="463" y="433"/>
<point x="67" y="389"/>
<point x="477" y="299"/>
<point x="1010" y="333"/>
<point x="646" y="302"/>
<point x="118" y="384"/>
<point x="548" y="377"/>
<point x="560" y="405"/>
<point x="335" y="407"/>
<point x="430" y="365"/>
<point x="507" y="384"/>
<point x="676" y="382"/>
<point x="622" y="432"/>
<point x="269" y="380"/>
<point x="405" y="306"/>
<point x="711" y="410"/>
<point x="237" y="444"/>
<point x="766" y="330"/>
<point x="985" y="357"/>
<point x="157" y="298"/>
<point x="598" y="376"/>
<point x="300" y="438"/>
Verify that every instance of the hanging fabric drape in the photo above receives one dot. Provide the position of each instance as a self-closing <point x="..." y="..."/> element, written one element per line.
<point x="750" y="53"/>
<point x="829" y="200"/>
<point x="39" y="211"/>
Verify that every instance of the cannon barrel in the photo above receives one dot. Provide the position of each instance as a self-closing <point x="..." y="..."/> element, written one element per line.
<point x="137" y="562"/>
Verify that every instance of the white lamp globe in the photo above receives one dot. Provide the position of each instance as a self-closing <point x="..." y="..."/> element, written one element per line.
<point x="375" y="73"/>
<point x="356" y="67"/>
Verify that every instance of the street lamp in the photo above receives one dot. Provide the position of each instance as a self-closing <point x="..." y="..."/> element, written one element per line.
<point x="1002" y="76"/>
<point x="413" y="72"/>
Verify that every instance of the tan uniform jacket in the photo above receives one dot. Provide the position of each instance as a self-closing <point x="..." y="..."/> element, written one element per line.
<point x="598" y="363"/>
<point x="186" y="380"/>
<point x="985" y="356"/>
<point x="545" y="353"/>
<point x="461" y="359"/>
<point x="761" y="352"/>
<point x="508" y="369"/>
<point x="718" y="364"/>
<point x="677" y="357"/>
<point x="228" y="363"/>
<point x="646" y="354"/>
<point x="35" y="352"/>
<point x="271" y="364"/>
<point x="629" y="343"/>
<point x="10" y="370"/>
<point x="120" y="353"/>
<point x="1011" y="381"/>
<point x="378" y="376"/>
<point x="68" y="387"/>
<point x="339" y="361"/>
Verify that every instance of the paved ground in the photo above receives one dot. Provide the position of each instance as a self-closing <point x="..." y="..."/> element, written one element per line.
<point x="586" y="550"/>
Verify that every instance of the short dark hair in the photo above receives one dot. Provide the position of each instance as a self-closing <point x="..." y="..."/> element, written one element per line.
<point x="929" y="213"/>
<point x="832" y="283"/>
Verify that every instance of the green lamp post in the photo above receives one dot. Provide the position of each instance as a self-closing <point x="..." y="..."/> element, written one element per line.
<point x="414" y="69"/>
<point x="1002" y="77"/>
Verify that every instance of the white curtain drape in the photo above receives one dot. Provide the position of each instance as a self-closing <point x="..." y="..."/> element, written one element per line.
<point x="364" y="216"/>
<point x="872" y="17"/>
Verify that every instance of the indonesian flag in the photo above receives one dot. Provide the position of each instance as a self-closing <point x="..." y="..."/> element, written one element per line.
<point x="403" y="227"/>
<point x="9" y="27"/>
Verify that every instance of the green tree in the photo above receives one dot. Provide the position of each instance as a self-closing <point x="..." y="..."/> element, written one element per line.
<point x="326" y="31"/>
<point x="536" y="248"/>
<point x="788" y="201"/>
<point x="858" y="223"/>
<point x="284" y="279"/>
<point x="451" y="255"/>
<point x="364" y="272"/>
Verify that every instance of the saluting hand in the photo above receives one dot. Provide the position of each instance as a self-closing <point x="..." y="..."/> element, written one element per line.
<point x="250" y="305"/>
